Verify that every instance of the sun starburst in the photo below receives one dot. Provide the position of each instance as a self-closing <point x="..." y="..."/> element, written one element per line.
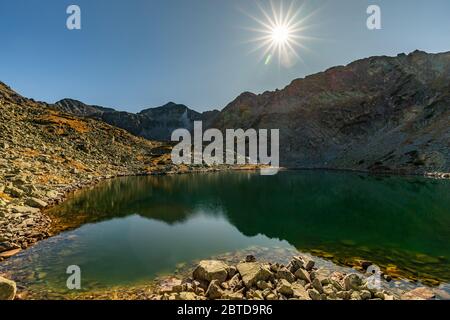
<point x="280" y="33"/>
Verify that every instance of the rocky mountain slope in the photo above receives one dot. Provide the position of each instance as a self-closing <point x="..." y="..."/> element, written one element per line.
<point x="45" y="153"/>
<point x="377" y="114"/>
<point x="153" y="123"/>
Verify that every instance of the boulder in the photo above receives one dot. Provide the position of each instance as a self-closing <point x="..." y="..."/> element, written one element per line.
<point x="36" y="203"/>
<point x="8" y="289"/>
<point x="252" y="272"/>
<point x="209" y="270"/>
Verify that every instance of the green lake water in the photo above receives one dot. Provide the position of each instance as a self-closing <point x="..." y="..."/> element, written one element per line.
<point x="129" y="230"/>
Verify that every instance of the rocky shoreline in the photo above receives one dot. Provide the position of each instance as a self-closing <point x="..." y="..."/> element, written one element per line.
<point x="300" y="279"/>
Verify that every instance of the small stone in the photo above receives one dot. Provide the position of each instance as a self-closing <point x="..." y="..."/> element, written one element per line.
<point x="296" y="263"/>
<point x="15" y="192"/>
<point x="299" y="291"/>
<point x="233" y="296"/>
<point x="250" y="258"/>
<point x="352" y="281"/>
<point x="234" y="282"/>
<point x="379" y="295"/>
<point x="308" y="263"/>
<point x="188" y="296"/>
<point x="257" y="294"/>
<point x="36" y="203"/>
<point x="284" y="273"/>
<point x="314" y="294"/>
<point x="263" y="285"/>
<point x="303" y="275"/>
<point x="355" y="296"/>
<point x="365" y="294"/>
<point x="330" y="291"/>
<point x="284" y="287"/>
<point x="336" y="284"/>
<point x="317" y="285"/>
<point x="214" y="291"/>
<point x="231" y="271"/>
<point x="24" y="209"/>
<point x="345" y="295"/>
<point x="271" y="296"/>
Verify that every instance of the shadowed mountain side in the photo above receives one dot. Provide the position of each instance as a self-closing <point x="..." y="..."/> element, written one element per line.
<point x="375" y="114"/>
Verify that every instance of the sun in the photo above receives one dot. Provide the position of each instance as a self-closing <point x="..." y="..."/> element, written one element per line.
<point x="280" y="32"/>
<point x="280" y="35"/>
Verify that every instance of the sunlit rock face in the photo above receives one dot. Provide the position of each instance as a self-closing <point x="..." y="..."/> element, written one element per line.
<point x="377" y="114"/>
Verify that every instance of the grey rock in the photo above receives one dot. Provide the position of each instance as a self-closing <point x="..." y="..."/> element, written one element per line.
<point x="36" y="203"/>
<point x="209" y="270"/>
<point x="252" y="272"/>
<point x="303" y="275"/>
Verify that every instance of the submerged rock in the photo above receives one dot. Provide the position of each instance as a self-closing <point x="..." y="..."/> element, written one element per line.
<point x="419" y="294"/>
<point x="7" y="289"/>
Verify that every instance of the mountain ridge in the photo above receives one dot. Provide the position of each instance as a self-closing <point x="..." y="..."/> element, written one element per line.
<point x="382" y="113"/>
<point x="155" y="123"/>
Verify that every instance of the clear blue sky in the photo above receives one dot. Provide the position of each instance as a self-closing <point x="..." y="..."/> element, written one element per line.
<point x="141" y="53"/>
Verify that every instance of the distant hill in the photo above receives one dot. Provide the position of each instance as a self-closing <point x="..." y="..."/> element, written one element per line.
<point x="153" y="123"/>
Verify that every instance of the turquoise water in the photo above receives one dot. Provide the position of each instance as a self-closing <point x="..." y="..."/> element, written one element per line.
<point x="129" y="230"/>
